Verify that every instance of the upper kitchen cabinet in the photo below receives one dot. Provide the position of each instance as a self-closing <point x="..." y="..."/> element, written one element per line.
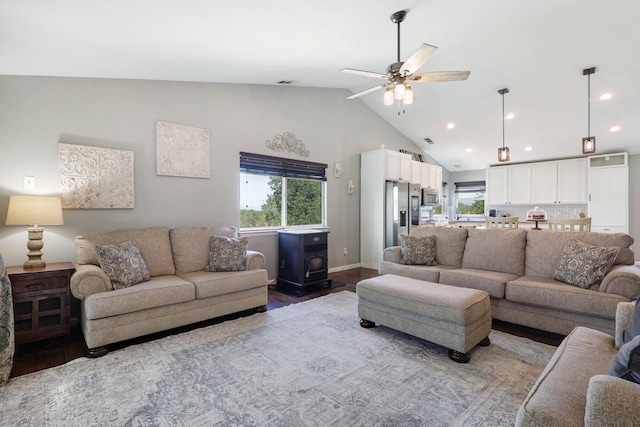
<point x="398" y="166"/>
<point x="608" y="181"/>
<point x="509" y="185"/>
<point x="563" y="181"/>
<point x="416" y="172"/>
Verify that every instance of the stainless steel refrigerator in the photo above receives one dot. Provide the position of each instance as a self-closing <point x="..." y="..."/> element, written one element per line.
<point x="397" y="217"/>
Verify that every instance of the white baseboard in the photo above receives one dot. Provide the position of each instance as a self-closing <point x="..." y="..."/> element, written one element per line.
<point x="343" y="268"/>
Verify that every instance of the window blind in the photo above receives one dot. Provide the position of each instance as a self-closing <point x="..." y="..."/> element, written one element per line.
<point x="278" y="166"/>
<point x="470" y="187"/>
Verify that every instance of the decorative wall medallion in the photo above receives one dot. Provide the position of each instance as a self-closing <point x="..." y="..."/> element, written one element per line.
<point x="288" y="142"/>
<point x="95" y="178"/>
<point x="182" y="150"/>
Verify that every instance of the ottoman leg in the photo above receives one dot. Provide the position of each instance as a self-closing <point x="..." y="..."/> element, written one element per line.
<point x="367" y="323"/>
<point x="458" y="357"/>
<point x="485" y="342"/>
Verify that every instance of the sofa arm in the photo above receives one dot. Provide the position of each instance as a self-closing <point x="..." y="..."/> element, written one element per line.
<point x="622" y="280"/>
<point x="624" y="313"/>
<point x="255" y="260"/>
<point x="89" y="279"/>
<point x="393" y="254"/>
<point x="611" y="401"/>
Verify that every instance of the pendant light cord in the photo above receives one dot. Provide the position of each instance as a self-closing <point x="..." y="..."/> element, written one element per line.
<point x="588" y="105"/>
<point x="503" y="120"/>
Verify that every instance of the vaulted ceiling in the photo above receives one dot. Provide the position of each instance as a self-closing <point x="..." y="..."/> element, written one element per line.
<point x="536" y="49"/>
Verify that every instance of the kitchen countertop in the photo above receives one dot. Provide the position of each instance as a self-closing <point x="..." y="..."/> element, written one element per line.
<point x="527" y="225"/>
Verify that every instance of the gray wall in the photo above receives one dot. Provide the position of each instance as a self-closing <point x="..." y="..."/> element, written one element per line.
<point x="39" y="112"/>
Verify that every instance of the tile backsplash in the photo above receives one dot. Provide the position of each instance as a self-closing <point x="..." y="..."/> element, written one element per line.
<point x="553" y="211"/>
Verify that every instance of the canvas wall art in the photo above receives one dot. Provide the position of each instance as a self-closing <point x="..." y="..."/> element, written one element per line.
<point x="95" y="177"/>
<point x="182" y="150"/>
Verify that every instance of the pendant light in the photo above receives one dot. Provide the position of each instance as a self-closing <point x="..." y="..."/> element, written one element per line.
<point x="503" y="152"/>
<point x="588" y="142"/>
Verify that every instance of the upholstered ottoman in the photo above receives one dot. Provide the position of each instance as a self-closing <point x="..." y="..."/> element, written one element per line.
<point x="453" y="317"/>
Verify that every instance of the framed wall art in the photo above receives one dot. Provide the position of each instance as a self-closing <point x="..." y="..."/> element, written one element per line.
<point x="95" y="177"/>
<point x="182" y="150"/>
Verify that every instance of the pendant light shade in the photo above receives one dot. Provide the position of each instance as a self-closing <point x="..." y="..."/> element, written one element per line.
<point x="588" y="142"/>
<point x="503" y="152"/>
<point x="408" y="95"/>
<point x="388" y="96"/>
<point x="399" y="91"/>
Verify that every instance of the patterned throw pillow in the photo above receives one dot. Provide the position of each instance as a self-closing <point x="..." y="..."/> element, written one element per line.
<point x="123" y="264"/>
<point x="227" y="254"/>
<point x="585" y="265"/>
<point x="418" y="250"/>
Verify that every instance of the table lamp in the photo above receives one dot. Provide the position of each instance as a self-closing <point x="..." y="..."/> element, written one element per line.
<point x="34" y="211"/>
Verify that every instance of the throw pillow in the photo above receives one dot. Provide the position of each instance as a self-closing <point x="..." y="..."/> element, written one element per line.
<point x="227" y="253"/>
<point x="123" y="264"/>
<point x="624" y="364"/>
<point x="418" y="250"/>
<point x="633" y="328"/>
<point x="585" y="265"/>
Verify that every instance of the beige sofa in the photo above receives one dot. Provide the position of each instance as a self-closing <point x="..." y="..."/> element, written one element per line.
<point x="575" y="390"/>
<point x="516" y="267"/>
<point x="178" y="293"/>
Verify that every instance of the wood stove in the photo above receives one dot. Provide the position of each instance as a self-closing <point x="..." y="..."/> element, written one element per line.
<point x="303" y="261"/>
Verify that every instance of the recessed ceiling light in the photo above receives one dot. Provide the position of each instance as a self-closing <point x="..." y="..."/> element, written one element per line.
<point x="509" y="116"/>
<point x="469" y="150"/>
<point x="528" y="148"/>
<point x="450" y="125"/>
<point x="614" y="128"/>
<point x="605" y="96"/>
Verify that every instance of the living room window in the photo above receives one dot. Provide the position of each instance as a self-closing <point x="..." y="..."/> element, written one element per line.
<point x="470" y="200"/>
<point x="281" y="193"/>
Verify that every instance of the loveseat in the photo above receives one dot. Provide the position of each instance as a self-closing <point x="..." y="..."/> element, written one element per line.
<point x="517" y="269"/>
<point x="575" y="390"/>
<point x="177" y="291"/>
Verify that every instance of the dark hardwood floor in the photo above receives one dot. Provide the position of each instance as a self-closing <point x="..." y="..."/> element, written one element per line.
<point x="40" y="355"/>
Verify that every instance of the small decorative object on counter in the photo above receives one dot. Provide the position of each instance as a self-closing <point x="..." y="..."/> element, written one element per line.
<point x="536" y="214"/>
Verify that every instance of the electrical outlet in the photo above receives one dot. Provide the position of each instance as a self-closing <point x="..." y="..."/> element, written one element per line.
<point x="29" y="182"/>
<point x="345" y="251"/>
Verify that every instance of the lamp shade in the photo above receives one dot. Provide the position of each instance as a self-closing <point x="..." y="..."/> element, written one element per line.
<point x="34" y="210"/>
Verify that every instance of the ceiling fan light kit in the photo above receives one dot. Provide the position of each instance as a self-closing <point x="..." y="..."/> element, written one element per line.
<point x="589" y="142"/>
<point x="503" y="152"/>
<point x="399" y="73"/>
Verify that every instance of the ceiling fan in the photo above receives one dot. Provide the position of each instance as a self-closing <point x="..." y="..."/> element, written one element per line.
<point x="399" y="74"/>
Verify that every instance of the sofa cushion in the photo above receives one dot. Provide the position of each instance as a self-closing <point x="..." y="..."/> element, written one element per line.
<point x="495" y="250"/>
<point x="585" y="265"/>
<point x="492" y="282"/>
<point x="123" y="264"/>
<point x="227" y="253"/>
<point x="428" y="273"/>
<point x="418" y="250"/>
<point x="545" y="292"/>
<point x="157" y="292"/>
<point x="544" y="249"/>
<point x="190" y="246"/>
<point x="450" y="243"/>
<point x="153" y="243"/>
<point x="211" y="284"/>
<point x="633" y="328"/>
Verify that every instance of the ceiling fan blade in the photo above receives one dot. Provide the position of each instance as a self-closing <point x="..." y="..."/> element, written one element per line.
<point x="440" y="76"/>
<point x="366" y="91"/>
<point x="418" y="58"/>
<point x="365" y="73"/>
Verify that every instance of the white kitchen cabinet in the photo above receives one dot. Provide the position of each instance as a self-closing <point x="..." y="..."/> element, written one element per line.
<point x="398" y="166"/>
<point x="563" y="181"/>
<point x="509" y="185"/>
<point x="544" y="183"/>
<point x="572" y="181"/>
<point x="608" y="184"/>
<point x="497" y="183"/>
<point x="416" y="172"/>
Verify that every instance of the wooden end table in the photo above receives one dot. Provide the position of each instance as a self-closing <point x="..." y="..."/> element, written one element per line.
<point x="41" y="301"/>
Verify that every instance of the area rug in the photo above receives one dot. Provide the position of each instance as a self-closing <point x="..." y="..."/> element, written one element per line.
<point x="307" y="364"/>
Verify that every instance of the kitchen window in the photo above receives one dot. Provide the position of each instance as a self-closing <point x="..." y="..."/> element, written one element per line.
<point x="470" y="200"/>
